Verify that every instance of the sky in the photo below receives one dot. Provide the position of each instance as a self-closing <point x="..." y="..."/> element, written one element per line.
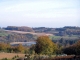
<point x="40" y="13"/>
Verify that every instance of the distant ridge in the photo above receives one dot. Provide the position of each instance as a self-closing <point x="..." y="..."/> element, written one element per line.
<point x="17" y="28"/>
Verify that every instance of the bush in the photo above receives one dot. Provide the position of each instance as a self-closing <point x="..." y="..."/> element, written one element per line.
<point x="4" y="59"/>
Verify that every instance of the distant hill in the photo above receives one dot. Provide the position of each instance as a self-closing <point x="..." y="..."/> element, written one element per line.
<point x="68" y="34"/>
<point x="67" y="30"/>
<point x="7" y="36"/>
<point x="19" y="34"/>
<point x="23" y="28"/>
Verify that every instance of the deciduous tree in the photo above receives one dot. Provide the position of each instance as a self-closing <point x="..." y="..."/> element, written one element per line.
<point x="44" y="45"/>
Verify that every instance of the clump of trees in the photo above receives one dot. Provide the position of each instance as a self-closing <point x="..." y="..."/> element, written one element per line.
<point x="65" y="42"/>
<point x="45" y="46"/>
<point x="4" y="59"/>
<point x="4" y="47"/>
<point x="23" y="28"/>
<point x="74" y="49"/>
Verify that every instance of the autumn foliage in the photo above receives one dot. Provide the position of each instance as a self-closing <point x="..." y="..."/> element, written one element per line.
<point x="44" y="45"/>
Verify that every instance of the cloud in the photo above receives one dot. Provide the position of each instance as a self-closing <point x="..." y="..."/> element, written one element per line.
<point x="15" y="6"/>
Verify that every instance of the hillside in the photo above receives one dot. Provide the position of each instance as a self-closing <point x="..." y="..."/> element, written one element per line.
<point x="19" y="36"/>
<point x="61" y="36"/>
<point x="64" y="36"/>
<point x="7" y="36"/>
<point x="67" y="30"/>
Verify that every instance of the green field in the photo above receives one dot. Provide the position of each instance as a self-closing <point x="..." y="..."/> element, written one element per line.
<point x="64" y="37"/>
<point x="3" y="34"/>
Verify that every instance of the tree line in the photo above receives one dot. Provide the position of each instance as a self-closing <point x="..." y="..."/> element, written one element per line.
<point x="22" y="28"/>
<point x="44" y="45"/>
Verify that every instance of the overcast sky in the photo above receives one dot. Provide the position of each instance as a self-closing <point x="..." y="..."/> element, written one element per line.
<point x="40" y="13"/>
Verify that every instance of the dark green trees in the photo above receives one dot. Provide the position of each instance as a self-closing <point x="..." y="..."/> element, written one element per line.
<point x="74" y="49"/>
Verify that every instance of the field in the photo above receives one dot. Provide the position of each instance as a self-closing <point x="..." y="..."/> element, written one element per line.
<point x="10" y="55"/>
<point x="65" y="37"/>
<point x="33" y="33"/>
<point x="3" y="34"/>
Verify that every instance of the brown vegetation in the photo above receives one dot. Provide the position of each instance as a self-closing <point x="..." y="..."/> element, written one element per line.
<point x="10" y="55"/>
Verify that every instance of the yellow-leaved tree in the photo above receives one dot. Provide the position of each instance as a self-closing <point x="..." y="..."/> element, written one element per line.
<point x="44" y="45"/>
<point x="20" y="48"/>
